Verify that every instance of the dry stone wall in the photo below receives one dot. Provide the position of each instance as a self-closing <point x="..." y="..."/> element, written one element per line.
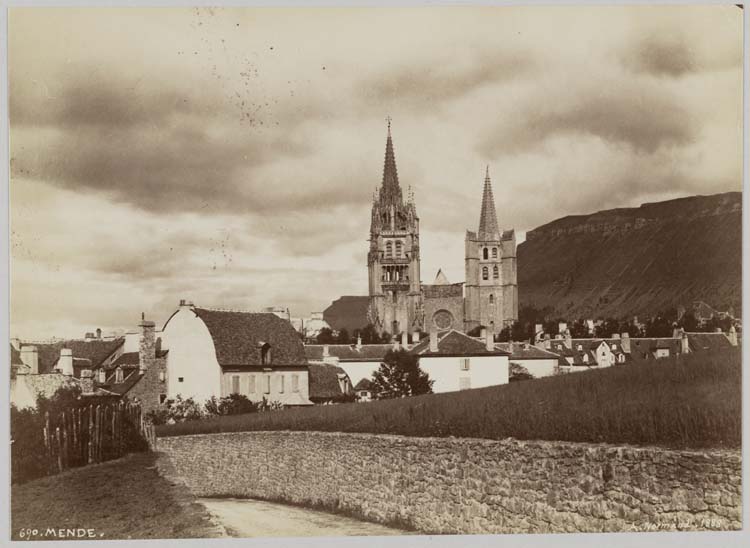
<point x="458" y="485"/>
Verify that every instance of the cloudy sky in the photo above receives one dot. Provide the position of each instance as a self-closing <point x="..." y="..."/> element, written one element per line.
<point x="229" y="156"/>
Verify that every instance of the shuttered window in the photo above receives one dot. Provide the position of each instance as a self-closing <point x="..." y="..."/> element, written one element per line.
<point x="465" y="363"/>
<point x="295" y="383"/>
<point x="235" y="384"/>
<point x="281" y="384"/>
<point x="251" y="387"/>
<point x="267" y="384"/>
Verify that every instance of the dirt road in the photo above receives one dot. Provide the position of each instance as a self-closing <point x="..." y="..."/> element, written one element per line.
<point x="254" y="518"/>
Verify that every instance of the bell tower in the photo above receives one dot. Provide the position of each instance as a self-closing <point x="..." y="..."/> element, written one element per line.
<point x="393" y="258"/>
<point x="491" y="290"/>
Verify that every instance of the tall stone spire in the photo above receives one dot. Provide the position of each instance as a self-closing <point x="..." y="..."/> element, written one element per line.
<point x="391" y="190"/>
<point x="488" y="216"/>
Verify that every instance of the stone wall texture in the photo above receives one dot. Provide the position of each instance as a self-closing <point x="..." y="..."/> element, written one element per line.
<point x="459" y="485"/>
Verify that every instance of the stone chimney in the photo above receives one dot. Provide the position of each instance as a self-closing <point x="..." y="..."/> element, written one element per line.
<point x="87" y="381"/>
<point x="325" y="351"/>
<point x="185" y="303"/>
<point x="433" y="341"/>
<point x="359" y="342"/>
<point x="396" y="344"/>
<point x="414" y="337"/>
<point x="65" y="363"/>
<point x="102" y="375"/>
<point x="625" y="342"/>
<point x="562" y="326"/>
<point x="405" y="340"/>
<point x="568" y="338"/>
<point x="538" y="332"/>
<point x="483" y="333"/>
<point x="677" y="332"/>
<point x="718" y="330"/>
<point x="684" y="343"/>
<point x="147" y="345"/>
<point x="616" y="336"/>
<point x="547" y="342"/>
<point x="732" y="336"/>
<point x="98" y="333"/>
<point x="489" y="342"/>
<point x="30" y="358"/>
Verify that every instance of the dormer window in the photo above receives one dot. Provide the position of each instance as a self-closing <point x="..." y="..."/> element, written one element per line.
<point x="265" y="354"/>
<point x="118" y="374"/>
<point x="580" y="347"/>
<point x="585" y="358"/>
<point x="614" y="347"/>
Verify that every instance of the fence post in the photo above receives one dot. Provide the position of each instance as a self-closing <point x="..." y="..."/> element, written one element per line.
<point x="91" y="434"/>
<point x="59" y="450"/>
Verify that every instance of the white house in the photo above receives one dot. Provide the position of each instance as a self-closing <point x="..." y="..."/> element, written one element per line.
<point x="359" y="360"/>
<point x="537" y="361"/>
<point x="217" y="353"/>
<point x="456" y="361"/>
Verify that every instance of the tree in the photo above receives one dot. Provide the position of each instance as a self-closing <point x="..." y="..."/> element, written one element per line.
<point x="518" y="373"/>
<point x="399" y="375"/>
<point x="343" y="337"/>
<point x="325" y="336"/>
<point x="370" y="335"/>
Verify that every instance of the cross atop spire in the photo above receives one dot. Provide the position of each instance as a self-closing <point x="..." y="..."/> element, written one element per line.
<point x="391" y="191"/>
<point x="488" y="217"/>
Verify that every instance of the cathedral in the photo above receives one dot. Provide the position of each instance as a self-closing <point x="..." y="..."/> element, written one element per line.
<point x="399" y="302"/>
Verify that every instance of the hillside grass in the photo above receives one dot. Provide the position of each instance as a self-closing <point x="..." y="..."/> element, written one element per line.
<point x="126" y="498"/>
<point x="692" y="401"/>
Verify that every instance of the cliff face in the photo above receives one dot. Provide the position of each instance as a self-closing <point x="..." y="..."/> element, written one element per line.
<point x="636" y="261"/>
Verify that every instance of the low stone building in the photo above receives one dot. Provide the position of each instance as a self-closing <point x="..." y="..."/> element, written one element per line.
<point x="359" y="361"/>
<point x="214" y="353"/>
<point x="329" y="384"/>
<point x="538" y="362"/>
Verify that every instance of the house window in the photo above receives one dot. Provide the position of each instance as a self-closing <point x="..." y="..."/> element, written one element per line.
<point x="614" y="347"/>
<point x="267" y="384"/>
<point x="251" y="388"/>
<point x="388" y="249"/>
<point x="281" y="384"/>
<point x="485" y="273"/>
<point x="235" y="384"/>
<point x="485" y="254"/>
<point x="118" y="375"/>
<point x="295" y="383"/>
<point x="465" y="364"/>
<point x="464" y="383"/>
<point x="495" y="272"/>
<point x="621" y="358"/>
<point x="398" y="248"/>
<point x="162" y="398"/>
<point x="494" y="253"/>
<point x="585" y="358"/>
<point x="492" y="299"/>
<point x="580" y="347"/>
<point x="180" y="379"/>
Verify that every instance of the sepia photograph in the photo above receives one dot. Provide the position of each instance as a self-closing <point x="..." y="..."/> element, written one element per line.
<point x="350" y="271"/>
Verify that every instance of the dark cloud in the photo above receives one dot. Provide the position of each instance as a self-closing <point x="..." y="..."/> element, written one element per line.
<point x="662" y="55"/>
<point x="642" y="118"/>
<point x="425" y="83"/>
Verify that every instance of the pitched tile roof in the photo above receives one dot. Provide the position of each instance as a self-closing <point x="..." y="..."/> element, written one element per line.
<point x="364" y="384"/>
<point x="132" y="358"/>
<point x="131" y="376"/>
<point x="347" y="312"/>
<point x="239" y="336"/>
<point x="455" y="343"/>
<point x="95" y="351"/>
<point x="523" y="351"/>
<point x="698" y="342"/>
<point x="642" y="348"/>
<point x="348" y="352"/>
<point x="324" y="381"/>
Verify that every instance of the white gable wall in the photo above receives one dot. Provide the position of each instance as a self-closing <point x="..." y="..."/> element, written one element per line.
<point x="447" y="374"/>
<point x="191" y="357"/>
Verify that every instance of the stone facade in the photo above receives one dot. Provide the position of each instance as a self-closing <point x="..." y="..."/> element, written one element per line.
<point x="393" y="258"/>
<point x="151" y="389"/>
<point x="464" y="486"/>
<point x="443" y="306"/>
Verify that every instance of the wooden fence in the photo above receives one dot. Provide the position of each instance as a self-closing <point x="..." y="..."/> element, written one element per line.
<point x="93" y="434"/>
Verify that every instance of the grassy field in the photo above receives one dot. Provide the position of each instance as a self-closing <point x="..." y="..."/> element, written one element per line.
<point x="692" y="401"/>
<point x="120" y="499"/>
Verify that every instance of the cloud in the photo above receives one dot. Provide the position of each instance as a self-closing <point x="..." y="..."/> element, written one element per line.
<point x="425" y="83"/>
<point x="662" y="55"/>
<point x="634" y="114"/>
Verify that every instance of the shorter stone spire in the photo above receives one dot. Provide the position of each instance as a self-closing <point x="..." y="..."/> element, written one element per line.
<point x="488" y="216"/>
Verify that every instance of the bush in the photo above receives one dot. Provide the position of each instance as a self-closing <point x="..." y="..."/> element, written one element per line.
<point x="518" y="373"/>
<point x="233" y="404"/>
<point x="691" y="401"/>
